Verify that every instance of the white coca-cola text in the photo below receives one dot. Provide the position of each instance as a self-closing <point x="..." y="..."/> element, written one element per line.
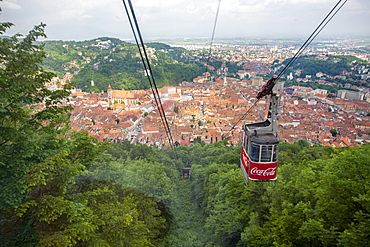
<point x="267" y="172"/>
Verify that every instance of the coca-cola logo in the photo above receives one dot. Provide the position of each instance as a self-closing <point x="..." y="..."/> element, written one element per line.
<point x="267" y="172"/>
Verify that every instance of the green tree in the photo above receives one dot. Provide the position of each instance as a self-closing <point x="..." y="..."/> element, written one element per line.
<point x="55" y="218"/>
<point x="176" y="109"/>
<point x="226" y="200"/>
<point x="343" y="198"/>
<point x="26" y="127"/>
<point x="322" y="202"/>
<point x="334" y="132"/>
<point x="48" y="195"/>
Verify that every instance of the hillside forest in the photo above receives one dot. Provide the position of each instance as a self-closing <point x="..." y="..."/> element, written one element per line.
<point x="63" y="188"/>
<point x="97" y="63"/>
<point x="109" y="61"/>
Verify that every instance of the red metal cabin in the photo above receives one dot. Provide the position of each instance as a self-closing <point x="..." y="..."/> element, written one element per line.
<point x="258" y="159"/>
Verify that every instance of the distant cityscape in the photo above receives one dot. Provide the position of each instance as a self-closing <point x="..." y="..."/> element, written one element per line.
<point x="206" y="108"/>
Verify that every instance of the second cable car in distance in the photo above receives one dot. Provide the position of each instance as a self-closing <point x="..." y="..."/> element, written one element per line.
<point x="258" y="159"/>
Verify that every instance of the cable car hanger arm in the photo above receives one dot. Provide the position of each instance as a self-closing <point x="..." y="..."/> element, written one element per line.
<point x="267" y="88"/>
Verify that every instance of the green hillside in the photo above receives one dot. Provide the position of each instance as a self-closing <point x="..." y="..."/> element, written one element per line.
<point x="112" y="61"/>
<point x="337" y="72"/>
<point x="328" y="65"/>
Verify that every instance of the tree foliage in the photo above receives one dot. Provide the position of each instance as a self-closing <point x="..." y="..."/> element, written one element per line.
<point x="48" y="195"/>
<point x="26" y="126"/>
<point x="319" y="199"/>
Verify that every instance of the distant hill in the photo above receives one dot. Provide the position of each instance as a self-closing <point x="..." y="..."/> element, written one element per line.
<point x="99" y="62"/>
<point x="328" y="65"/>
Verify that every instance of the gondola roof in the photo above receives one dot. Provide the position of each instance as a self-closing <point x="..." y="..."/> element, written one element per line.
<point x="264" y="139"/>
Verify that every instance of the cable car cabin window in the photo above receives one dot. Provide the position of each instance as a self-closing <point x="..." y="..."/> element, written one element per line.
<point x="274" y="154"/>
<point x="263" y="153"/>
<point x="245" y="142"/>
<point x="254" y="152"/>
<point x="266" y="153"/>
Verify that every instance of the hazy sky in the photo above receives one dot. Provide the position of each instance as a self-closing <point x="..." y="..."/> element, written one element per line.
<point x="87" y="19"/>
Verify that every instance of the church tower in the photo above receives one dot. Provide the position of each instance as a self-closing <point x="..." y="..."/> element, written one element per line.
<point x="110" y="95"/>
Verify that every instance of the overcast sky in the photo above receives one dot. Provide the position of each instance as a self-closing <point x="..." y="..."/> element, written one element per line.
<point x="88" y="19"/>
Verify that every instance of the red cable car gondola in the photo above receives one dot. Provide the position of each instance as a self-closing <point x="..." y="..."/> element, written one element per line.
<point x="258" y="159"/>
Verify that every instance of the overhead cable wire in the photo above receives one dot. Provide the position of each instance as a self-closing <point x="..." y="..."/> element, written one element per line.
<point x="314" y="34"/>
<point x="146" y="65"/>
<point x="213" y="32"/>
<point x="324" y="25"/>
<point x="151" y="79"/>
<point x="148" y="70"/>
<point x="242" y="118"/>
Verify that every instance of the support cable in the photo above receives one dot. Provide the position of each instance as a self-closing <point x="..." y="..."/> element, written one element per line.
<point x="267" y="89"/>
<point x="314" y="34"/>
<point x="148" y="70"/>
<point x="213" y="34"/>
